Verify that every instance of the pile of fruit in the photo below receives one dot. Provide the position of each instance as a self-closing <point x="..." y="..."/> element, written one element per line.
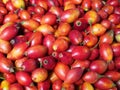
<point x="59" y="45"/>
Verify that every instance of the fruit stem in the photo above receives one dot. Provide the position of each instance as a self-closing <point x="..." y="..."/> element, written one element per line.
<point x="2" y="78"/>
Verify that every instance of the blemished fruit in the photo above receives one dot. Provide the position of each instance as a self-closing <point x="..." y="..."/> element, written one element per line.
<point x="59" y="44"/>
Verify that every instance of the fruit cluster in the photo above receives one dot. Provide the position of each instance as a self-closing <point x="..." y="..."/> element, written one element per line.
<point x="59" y="45"/>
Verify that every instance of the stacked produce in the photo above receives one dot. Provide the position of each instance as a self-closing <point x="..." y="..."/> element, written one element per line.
<point x="59" y="45"/>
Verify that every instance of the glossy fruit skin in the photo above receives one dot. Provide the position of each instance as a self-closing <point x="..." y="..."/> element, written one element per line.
<point x="48" y="42"/>
<point x="18" y="51"/>
<point x="115" y="48"/>
<point x="30" y="24"/>
<point x="36" y="51"/>
<point x="113" y="75"/>
<point x="90" y="40"/>
<point x="10" y="77"/>
<point x="98" y="66"/>
<point x="23" y="78"/>
<point x="45" y="85"/>
<point x="61" y="70"/>
<point x="97" y="29"/>
<point x="48" y="62"/>
<point x="117" y="62"/>
<point x="49" y="18"/>
<point x="74" y="75"/>
<point x="87" y="86"/>
<point x="39" y="75"/>
<point x="65" y="57"/>
<point x="80" y="52"/>
<point x="80" y="24"/>
<point x="6" y="65"/>
<point x="18" y="4"/>
<point x="104" y="83"/>
<point x="60" y="44"/>
<point x="16" y="86"/>
<point x="70" y="15"/>
<point x="81" y="63"/>
<point x="106" y="52"/>
<point x="108" y="37"/>
<point x="63" y="29"/>
<point x="96" y="5"/>
<point x="94" y="54"/>
<point x="45" y="29"/>
<point x="114" y="18"/>
<point x="36" y="38"/>
<point x="5" y="46"/>
<point x="75" y="37"/>
<point x="86" y="5"/>
<point x="29" y="65"/>
<point x="57" y="85"/>
<point x="91" y="17"/>
<point x="6" y="33"/>
<point x="90" y="77"/>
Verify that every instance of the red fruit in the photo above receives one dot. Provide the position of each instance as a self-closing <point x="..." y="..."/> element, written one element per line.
<point x="91" y="77"/>
<point x="90" y="40"/>
<point x="45" y="29"/>
<point x="116" y="49"/>
<point x="9" y="32"/>
<point x="37" y="17"/>
<point x="73" y="75"/>
<point x="39" y="75"/>
<point x="29" y="65"/>
<point x="97" y="29"/>
<point x="61" y="70"/>
<point x="39" y="10"/>
<point x="16" y="86"/>
<point x="30" y="88"/>
<point x="70" y="15"/>
<point x="48" y="62"/>
<point x="60" y="44"/>
<point x="117" y="62"/>
<point x="113" y="75"/>
<point x="45" y="85"/>
<point x="24" y="14"/>
<point x="106" y="23"/>
<point x="68" y="86"/>
<point x="103" y="14"/>
<point x="104" y="83"/>
<point x="57" y="85"/>
<point x="117" y="10"/>
<point x="81" y="63"/>
<point x="10" y="18"/>
<point x="10" y="77"/>
<point x="106" y="52"/>
<point x="96" y="5"/>
<point x="48" y="42"/>
<point x="49" y="18"/>
<point x="86" y="5"/>
<point x="114" y="3"/>
<point x="36" y="38"/>
<point x="36" y="51"/>
<point x="75" y="37"/>
<point x="94" y="54"/>
<point x="23" y="78"/>
<point x="30" y="24"/>
<point x="18" y="51"/>
<point x="19" y="63"/>
<point x="63" y="29"/>
<point x="99" y="66"/>
<point x="42" y="3"/>
<point x="114" y="18"/>
<point x="6" y="65"/>
<point x="80" y="24"/>
<point x="91" y="16"/>
<point x="19" y="39"/>
<point x="108" y="9"/>
<point x="80" y="52"/>
<point x="107" y="37"/>
<point x="56" y="10"/>
<point x="87" y="86"/>
<point x="65" y="57"/>
<point x="5" y="46"/>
